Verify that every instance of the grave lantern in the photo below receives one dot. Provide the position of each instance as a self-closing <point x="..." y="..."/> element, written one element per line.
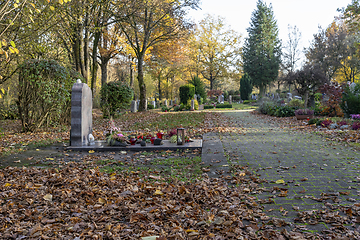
<point x="180" y="136"/>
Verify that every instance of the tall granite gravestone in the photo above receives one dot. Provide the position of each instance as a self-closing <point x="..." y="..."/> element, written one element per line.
<point x="192" y="105"/>
<point x="81" y="114"/>
<point x="133" y="106"/>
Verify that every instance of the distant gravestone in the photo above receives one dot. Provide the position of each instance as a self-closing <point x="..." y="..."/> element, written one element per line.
<point x="133" y="106"/>
<point x="230" y="99"/>
<point x="192" y="105"/>
<point x="81" y="114"/>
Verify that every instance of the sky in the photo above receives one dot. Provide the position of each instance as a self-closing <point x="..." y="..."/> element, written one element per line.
<point x="307" y="15"/>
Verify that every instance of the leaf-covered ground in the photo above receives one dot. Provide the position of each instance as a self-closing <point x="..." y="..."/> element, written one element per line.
<point x="130" y="196"/>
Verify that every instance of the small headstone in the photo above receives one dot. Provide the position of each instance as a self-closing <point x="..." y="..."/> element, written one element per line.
<point x="192" y="105"/>
<point x="133" y="106"/>
<point x="143" y="143"/>
<point x="230" y="99"/>
<point x="81" y="114"/>
<point x="158" y="141"/>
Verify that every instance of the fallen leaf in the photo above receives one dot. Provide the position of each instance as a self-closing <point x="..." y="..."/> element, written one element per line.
<point x="48" y="197"/>
<point x="280" y="181"/>
<point x="158" y="192"/>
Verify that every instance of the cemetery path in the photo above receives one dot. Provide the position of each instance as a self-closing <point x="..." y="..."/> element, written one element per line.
<point x="305" y="173"/>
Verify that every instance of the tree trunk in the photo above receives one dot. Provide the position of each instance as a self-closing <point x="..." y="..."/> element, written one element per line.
<point x="103" y="66"/>
<point x="86" y="49"/>
<point x="159" y="86"/>
<point x="94" y="60"/>
<point x="262" y="90"/>
<point x="142" y="86"/>
<point x="131" y="73"/>
<point x="306" y="99"/>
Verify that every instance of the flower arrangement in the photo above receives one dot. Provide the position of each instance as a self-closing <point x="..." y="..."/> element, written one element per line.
<point x="326" y="123"/>
<point x="355" y="125"/>
<point x="305" y="111"/>
<point x="355" y="116"/>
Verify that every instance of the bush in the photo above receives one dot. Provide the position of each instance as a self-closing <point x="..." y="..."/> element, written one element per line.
<point x="165" y="108"/>
<point x="285" y="111"/>
<point x="249" y="101"/>
<point x="350" y="101"/>
<point x="115" y="96"/>
<point x="245" y="87"/>
<point x="224" y="105"/>
<point x="199" y="87"/>
<point x="236" y="98"/>
<point x="150" y="106"/>
<point x="296" y="103"/>
<point x="201" y="101"/>
<point x="187" y="92"/>
<point x="188" y="105"/>
<point x="314" y="121"/>
<point x="44" y="93"/>
<point x="208" y="106"/>
<point x="10" y="112"/>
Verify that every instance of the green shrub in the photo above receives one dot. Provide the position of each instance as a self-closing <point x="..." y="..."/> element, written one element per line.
<point x="350" y="102"/>
<point x="150" y="106"/>
<point x="188" y="105"/>
<point x="249" y="101"/>
<point x="284" y="111"/>
<point x="296" y="103"/>
<point x="186" y="92"/>
<point x="11" y="112"/>
<point x="245" y="87"/>
<point x="115" y="96"/>
<point x="199" y="87"/>
<point x="208" y="106"/>
<point x="165" y="108"/>
<point x="236" y="98"/>
<point x="44" y="93"/>
<point x="224" y="105"/>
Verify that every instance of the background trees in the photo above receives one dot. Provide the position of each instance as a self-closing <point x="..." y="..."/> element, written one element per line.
<point x="262" y="49"/>
<point x="154" y="22"/>
<point x="217" y="49"/>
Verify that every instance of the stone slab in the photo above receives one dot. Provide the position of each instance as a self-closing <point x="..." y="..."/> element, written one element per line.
<point x="102" y="146"/>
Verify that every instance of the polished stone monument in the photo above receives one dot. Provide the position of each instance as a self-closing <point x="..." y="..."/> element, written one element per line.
<point x="81" y="114"/>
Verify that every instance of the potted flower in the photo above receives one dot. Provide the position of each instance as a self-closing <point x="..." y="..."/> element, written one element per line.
<point x="302" y="114"/>
<point x="117" y="139"/>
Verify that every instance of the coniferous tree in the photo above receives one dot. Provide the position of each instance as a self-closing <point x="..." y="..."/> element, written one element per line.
<point x="245" y="87"/>
<point x="262" y="49"/>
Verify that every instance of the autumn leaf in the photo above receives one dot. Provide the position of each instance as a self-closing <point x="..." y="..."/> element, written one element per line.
<point x="158" y="192"/>
<point x="48" y="197"/>
<point x="280" y="181"/>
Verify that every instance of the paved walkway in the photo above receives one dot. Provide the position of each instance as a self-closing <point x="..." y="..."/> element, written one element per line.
<point x="317" y="174"/>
